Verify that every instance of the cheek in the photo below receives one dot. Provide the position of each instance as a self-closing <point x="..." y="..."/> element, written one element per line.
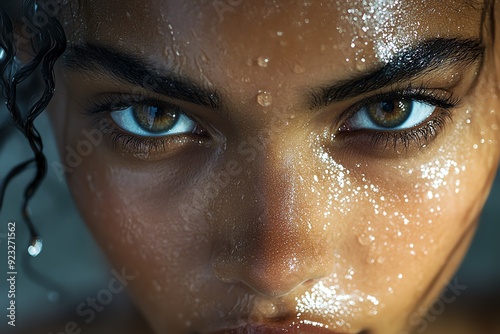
<point x="137" y="215"/>
<point x="377" y="227"/>
<point x="384" y="215"/>
<point x="150" y="219"/>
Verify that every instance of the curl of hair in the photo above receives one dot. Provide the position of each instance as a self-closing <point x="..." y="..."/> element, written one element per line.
<point x="47" y="43"/>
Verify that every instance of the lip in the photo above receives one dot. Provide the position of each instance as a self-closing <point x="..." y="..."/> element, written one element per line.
<point x="275" y="329"/>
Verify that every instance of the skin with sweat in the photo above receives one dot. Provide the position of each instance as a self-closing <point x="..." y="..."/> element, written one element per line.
<point x="276" y="209"/>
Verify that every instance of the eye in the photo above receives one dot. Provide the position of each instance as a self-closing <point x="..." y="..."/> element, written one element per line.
<point x="153" y="120"/>
<point x="398" y="114"/>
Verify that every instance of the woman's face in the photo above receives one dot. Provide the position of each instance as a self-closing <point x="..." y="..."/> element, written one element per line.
<point x="294" y="164"/>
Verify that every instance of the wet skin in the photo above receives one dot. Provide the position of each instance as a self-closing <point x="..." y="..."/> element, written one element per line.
<point x="279" y="207"/>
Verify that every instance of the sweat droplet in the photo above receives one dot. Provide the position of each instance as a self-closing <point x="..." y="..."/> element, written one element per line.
<point x="265" y="99"/>
<point x="36" y="247"/>
<point x="262" y="61"/>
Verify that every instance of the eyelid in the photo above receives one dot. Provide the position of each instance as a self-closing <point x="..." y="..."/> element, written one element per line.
<point x="119" y="101"/>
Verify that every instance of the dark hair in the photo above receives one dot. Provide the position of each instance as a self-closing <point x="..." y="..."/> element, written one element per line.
<point x="45" y="41"/>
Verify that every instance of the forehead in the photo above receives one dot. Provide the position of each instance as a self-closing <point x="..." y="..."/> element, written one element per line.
<point x="259" y="18"/>
<point x="223" y="38"/>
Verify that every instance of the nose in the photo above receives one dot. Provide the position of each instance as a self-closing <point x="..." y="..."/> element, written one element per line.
<point x="274" y="242"/>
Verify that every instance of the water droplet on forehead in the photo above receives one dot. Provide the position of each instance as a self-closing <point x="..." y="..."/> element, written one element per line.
<point x="262" y="61"/>
<point x="36" y="247"/>
<point x="265" y="99"/>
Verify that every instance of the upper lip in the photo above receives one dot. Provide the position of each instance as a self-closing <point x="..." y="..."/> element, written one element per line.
<point x="289" y="328"/>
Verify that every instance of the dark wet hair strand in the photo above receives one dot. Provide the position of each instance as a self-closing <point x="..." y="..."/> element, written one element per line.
<point x="47" y="42"/>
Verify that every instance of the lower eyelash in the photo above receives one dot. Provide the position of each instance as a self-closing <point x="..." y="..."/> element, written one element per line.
<point x="420" y="136"/>
<point x="124" y="142"/>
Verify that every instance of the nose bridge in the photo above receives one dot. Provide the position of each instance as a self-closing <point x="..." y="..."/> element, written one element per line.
<point x="278" y="247"/>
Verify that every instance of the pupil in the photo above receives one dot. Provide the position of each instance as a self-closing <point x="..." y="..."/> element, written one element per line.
<point x="388" y="106"/>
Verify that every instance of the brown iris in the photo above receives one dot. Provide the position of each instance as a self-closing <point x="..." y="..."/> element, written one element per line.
<point x="155" y="119"/>
<point x="390" y="114"/>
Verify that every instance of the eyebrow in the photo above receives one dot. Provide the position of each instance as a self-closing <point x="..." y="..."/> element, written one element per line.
<point x="410" y="63"/>
<point x="139" y="72"/>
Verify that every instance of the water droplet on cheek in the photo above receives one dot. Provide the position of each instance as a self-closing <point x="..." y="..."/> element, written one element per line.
<point x="262" y="61"/>
<point x="265" y="99"/>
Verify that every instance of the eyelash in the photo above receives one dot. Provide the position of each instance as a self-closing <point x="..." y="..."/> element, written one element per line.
<point x="424" y="133"/>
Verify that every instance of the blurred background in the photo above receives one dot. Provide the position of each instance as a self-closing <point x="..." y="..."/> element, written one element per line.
<point x="74" y="268"/>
